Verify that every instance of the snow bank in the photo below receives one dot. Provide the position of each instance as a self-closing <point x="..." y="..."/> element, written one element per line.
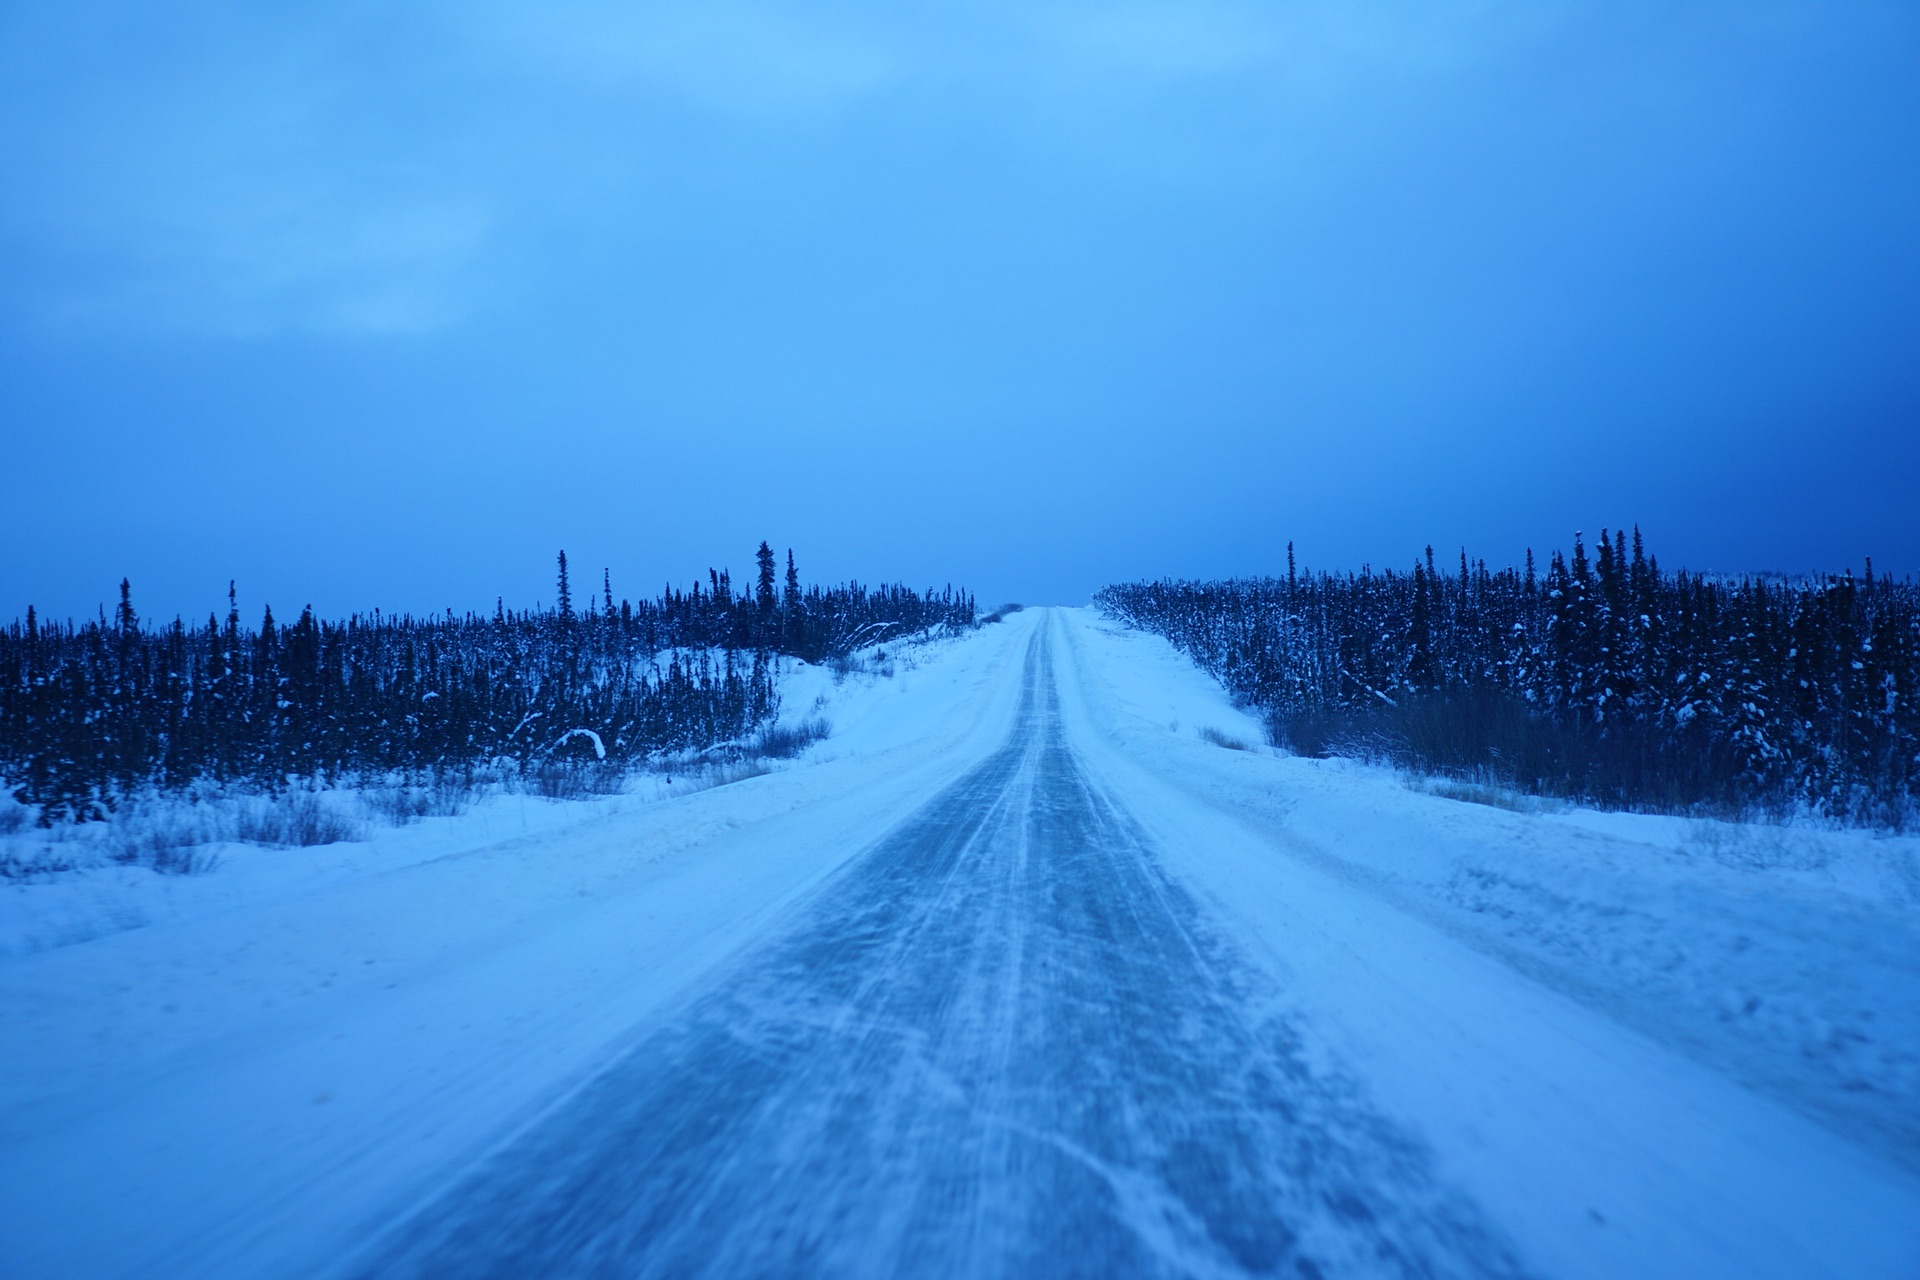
<point x="1787" y="956"/>
<point x="286" y="1049"/>
<point x="171" y="858"/>
<point x="1567" y="1050"/>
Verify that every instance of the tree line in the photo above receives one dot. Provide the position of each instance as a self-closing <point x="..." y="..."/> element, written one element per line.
<point x="95" y="711"/>
<point x="1603" y="678"/>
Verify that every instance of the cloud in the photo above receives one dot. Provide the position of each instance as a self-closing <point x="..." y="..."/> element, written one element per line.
<point x="1152" y="40"/>
<point x="740" y="58"/>
<point x="245" y="184"/>
<point x="246" y="261"/>
<point x="400" y="168"/>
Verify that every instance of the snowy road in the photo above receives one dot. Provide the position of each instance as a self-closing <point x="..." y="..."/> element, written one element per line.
<point x="1022" y="972"/>
<point x="1002" y="1043"/>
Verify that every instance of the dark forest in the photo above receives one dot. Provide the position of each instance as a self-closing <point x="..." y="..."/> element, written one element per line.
<point x="96" y="711"/>
<point x="1601" y="678"/>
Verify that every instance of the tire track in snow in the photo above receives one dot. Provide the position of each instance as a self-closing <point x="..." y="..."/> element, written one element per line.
<point x="1001" y="1043"/>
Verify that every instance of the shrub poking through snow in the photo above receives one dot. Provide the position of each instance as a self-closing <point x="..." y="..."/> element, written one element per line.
<point x="784" y="741"/>
<point x="293" y="819"/>
<point x="1210" y="734"/>
<point x="14" y="816"/>
<point x="573" y="779"/>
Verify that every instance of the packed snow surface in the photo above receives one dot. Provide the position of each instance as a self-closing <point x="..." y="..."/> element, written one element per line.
<point x="1040" y="964"/>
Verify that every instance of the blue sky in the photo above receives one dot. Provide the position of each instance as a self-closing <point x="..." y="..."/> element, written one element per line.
<point x="378" y="305"/>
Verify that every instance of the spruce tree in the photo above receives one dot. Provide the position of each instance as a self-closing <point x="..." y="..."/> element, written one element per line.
<point x="88" y="713"/>
<point x="763" y="593"/>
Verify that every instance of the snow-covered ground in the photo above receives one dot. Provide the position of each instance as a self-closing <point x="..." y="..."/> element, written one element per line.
<point x="101" y="880"/>
<point x="1784" y="955"/>
<point x="1567" y="1004"/>
<point x="1640" y="1046"/>
<point x="290" y="1043"/>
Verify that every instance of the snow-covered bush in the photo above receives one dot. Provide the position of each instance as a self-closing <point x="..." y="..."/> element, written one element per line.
<point x="439" y="793"/>
<point x="1220" y="739"/>
<point x="572" y="779"/>
<point x="293" y="819"/>
<point x="863" y="662"/>
<point x="780" y="741"/>
<point x="14" y="816"/>
<point x="169" y="835"/>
